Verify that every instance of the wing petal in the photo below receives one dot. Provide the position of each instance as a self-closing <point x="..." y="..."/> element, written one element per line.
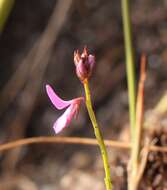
<point x="64" y="120"/>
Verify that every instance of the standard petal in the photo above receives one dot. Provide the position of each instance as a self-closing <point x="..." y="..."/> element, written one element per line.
<point x="64" y="120"/>
<point x="55" y="99"/>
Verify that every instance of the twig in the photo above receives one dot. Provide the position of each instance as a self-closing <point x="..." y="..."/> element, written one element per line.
<point x="61" y="140"/>
<point x="73" y="140"/>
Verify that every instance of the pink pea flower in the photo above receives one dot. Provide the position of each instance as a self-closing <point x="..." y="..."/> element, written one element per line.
<point x="71" y="111"/>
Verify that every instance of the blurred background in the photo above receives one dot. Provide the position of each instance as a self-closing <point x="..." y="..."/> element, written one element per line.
<point x="36" y="48"/>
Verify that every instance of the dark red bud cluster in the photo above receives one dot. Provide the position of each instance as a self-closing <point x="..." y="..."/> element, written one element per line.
<point x="84" y="64"/>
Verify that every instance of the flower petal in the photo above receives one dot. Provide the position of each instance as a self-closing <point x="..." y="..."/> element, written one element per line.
<point x="60" y="124"/>
<point x="56" y="101"/>
<point x="91" y="61"/>
<point x="64" y="120"/>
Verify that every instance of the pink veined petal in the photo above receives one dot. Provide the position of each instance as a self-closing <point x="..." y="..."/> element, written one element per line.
<point x="55" y="99"/>
<point x="64" y="120"/>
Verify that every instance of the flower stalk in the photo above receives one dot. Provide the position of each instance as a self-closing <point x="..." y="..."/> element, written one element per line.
<point x="98" y="135"/>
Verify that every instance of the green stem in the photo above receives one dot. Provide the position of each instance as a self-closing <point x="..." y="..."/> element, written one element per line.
<point x="129" y="64"/>
<point x="98" y="136"/>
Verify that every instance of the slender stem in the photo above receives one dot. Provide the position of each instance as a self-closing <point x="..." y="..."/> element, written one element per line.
<point x="129" y="63"/>
<point x="98" y="136"/>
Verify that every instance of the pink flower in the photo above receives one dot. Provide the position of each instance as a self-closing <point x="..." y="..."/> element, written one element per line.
<point x="71" y="111"/>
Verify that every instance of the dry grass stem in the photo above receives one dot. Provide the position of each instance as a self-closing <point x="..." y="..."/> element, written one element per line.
<point x="133" y="180"/>
<point x="74" y="140"/>
<point x="143" y="162"/>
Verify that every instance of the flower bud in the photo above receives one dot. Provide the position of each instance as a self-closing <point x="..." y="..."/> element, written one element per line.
<point x="84" y="64"/>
